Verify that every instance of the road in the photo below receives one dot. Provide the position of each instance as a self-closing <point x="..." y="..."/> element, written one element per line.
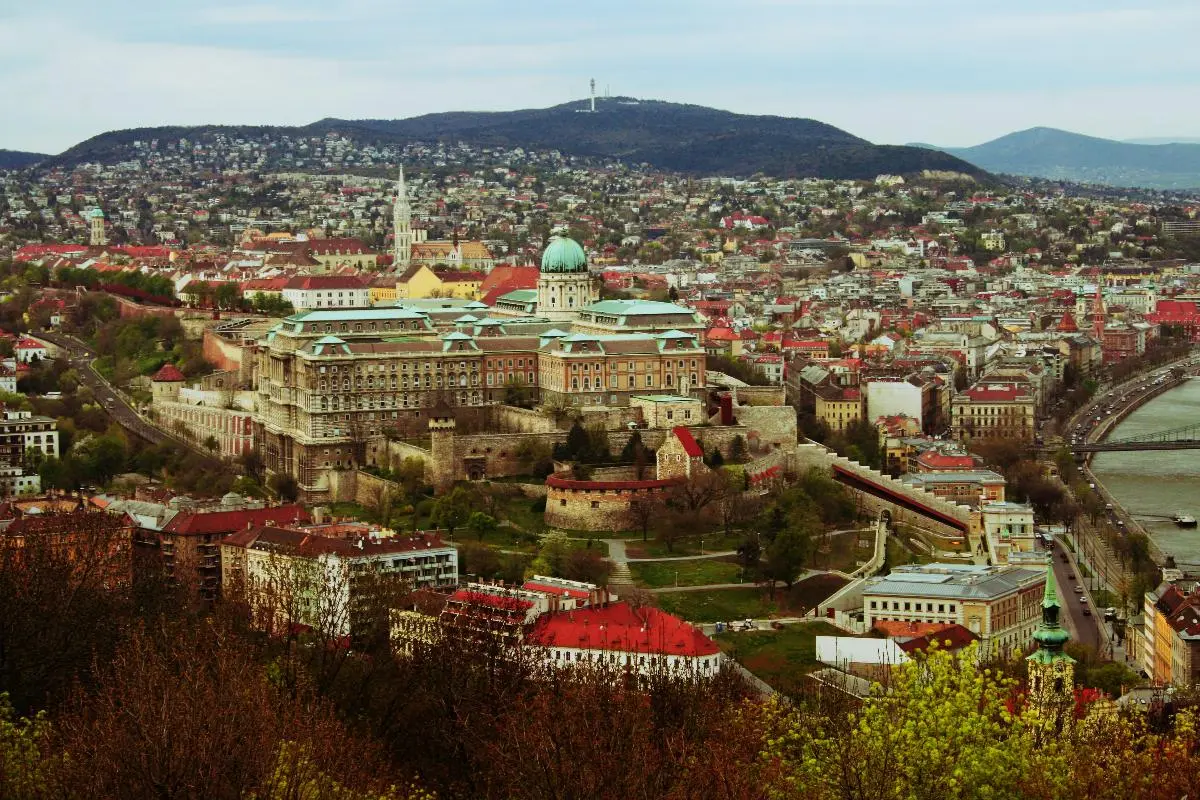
<point x="1084" y="629"/>
<point x="81" y="357"/>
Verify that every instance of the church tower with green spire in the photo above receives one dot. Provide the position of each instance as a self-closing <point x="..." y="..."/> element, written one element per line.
<point x="1051" y="671"/>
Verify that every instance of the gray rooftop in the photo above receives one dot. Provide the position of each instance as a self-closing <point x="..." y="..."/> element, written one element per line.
<point x="957" y="581"/>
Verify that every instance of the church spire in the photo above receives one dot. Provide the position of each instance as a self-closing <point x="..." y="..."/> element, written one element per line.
<point x="1050" y="634"/>
<point x="402" y="224"/>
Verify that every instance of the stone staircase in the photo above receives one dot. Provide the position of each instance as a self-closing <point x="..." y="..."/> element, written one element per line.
<point x="620" y="578"/>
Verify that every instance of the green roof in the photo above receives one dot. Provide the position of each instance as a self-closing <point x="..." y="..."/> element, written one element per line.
<point x="355" y="314"/>
<point x="635" y="308"/>
<point x="519" y="296"/>
<point x="564" y="255"/>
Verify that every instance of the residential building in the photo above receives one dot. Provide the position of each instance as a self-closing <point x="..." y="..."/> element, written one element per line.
<point x="1011" y="536"/>
<point x="993" y="410"/>
<point x="1171" y="634"/>
<point x="93" y="544"/>
<point x="327" y="291"/>
<point x="188" y="545"/>
<point x="293" y="578"/>
<point x="838" y="407"/>
<point x="22" y="432"/>
<point x="421" y="280"/>
<point x="1000" y="604"/>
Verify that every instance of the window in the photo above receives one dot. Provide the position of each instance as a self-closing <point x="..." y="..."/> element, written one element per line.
<point x="595" y="504"/>
<point x="562" y="502"/>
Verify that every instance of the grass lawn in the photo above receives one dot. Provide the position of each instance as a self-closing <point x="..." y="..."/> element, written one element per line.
<point x="898" y="554"/>
<point x="687" y="547"/>
<point x="842" y="552"/>
<point x="724" y="605"/>
<point x="780" y="657"/>
<point x="689" y="573"/>
<point x="717" y="605"/>
<point x="518" y="510"/>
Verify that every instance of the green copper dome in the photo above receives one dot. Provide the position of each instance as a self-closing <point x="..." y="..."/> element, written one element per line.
<point x="564" y="255"/>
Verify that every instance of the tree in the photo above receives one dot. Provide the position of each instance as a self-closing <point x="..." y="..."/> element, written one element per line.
<point x="787" y="555"/>
<point x="481" y="524"/>
<point x="285" y="487"/>
<point x="452" y="510"/>
<point x="211" y="444"/>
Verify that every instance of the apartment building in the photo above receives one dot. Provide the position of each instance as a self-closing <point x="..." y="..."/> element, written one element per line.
<point x="292" y="577"/>
<point x="1170" y="649"/>
<point x="993" y="410"/>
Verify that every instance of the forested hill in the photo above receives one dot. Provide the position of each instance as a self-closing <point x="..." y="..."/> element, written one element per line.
<point x="16" y="159"/>
<point x="669" y="136"/>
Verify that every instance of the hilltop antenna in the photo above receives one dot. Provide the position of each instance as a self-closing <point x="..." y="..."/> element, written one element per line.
<point x="593" y="95"/>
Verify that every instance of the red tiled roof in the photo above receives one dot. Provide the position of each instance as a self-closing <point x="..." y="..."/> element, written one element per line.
<point x="192" y="523"/>
<point x="25" y="343"/>
<point x="168" y="373"/>
<point x="684" y="435"/>
<point x="558" y="591"/>
<point x="325" y="282"/>
<point x="620" y="628"/>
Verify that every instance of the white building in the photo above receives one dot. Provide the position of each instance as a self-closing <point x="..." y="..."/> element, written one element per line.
<point x="327" y="291"/>
<point x="616" y="635"/>
<point x="894" y="398"/>
<point x="295" y="578"/>
<point x="21" y="431"/>
<point x="1011" y="538"/>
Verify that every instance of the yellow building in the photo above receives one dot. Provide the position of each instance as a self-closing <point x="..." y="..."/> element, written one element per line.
<point x="383" y="290"/>
<point x="839" y="408"/>
<point x="999" y="604"/>
<point x="420" y="280"/>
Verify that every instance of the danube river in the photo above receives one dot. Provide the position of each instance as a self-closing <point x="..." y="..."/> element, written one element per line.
<point x="1155" y="484"/>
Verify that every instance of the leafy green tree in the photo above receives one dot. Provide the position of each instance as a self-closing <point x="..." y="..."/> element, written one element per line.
<point x="452" y="510"/>
<point x="481" y="524"/>
<point x="285" y="487"/>
<point x="787" y="555"/>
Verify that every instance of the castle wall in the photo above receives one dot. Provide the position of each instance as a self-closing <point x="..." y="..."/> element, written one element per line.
<point x="220" y="352"/>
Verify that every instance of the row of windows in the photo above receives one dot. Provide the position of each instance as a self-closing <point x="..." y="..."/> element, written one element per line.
<point x="941" y="607"/>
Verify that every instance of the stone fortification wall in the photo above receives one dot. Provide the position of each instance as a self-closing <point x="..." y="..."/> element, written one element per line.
<point x="760" y="395"/>
<point x="813" y="455"/>
<point x="770" y="426"/>
<point x="522" y="420"/>
<point x="221" y="352"/>
<point x="368" y="488"/>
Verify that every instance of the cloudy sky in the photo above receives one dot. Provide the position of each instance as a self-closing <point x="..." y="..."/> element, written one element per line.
<point x="893" y="71"/>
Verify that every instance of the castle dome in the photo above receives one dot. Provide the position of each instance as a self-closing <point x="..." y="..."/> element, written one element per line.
<point x="563" y="256"/>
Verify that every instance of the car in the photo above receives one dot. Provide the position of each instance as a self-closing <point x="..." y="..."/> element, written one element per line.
<point x="1087" y="612"/>
<point x="1071" y="577"/>
<point x="1078" y="589"/>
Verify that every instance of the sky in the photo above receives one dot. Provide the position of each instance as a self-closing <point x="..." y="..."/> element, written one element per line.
<point x="892" y="71"/>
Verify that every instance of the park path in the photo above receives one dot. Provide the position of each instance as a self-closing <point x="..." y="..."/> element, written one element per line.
<point x="808" y="573"/>
<point x="712" y="554"/>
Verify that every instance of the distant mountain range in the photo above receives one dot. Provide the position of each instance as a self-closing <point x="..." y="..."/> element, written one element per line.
<point x="16" y="159"/>
<point x="669" y="136"/>
<point x="1062" y="155"/>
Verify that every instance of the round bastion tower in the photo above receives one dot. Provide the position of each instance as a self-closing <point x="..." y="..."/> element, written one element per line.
<point x="564" y="285"/>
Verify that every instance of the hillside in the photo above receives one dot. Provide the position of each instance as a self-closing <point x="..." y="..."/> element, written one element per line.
<point x="16" y="159"/>
<point x="1062" y="155"/>
<point x="669" y="136"/>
